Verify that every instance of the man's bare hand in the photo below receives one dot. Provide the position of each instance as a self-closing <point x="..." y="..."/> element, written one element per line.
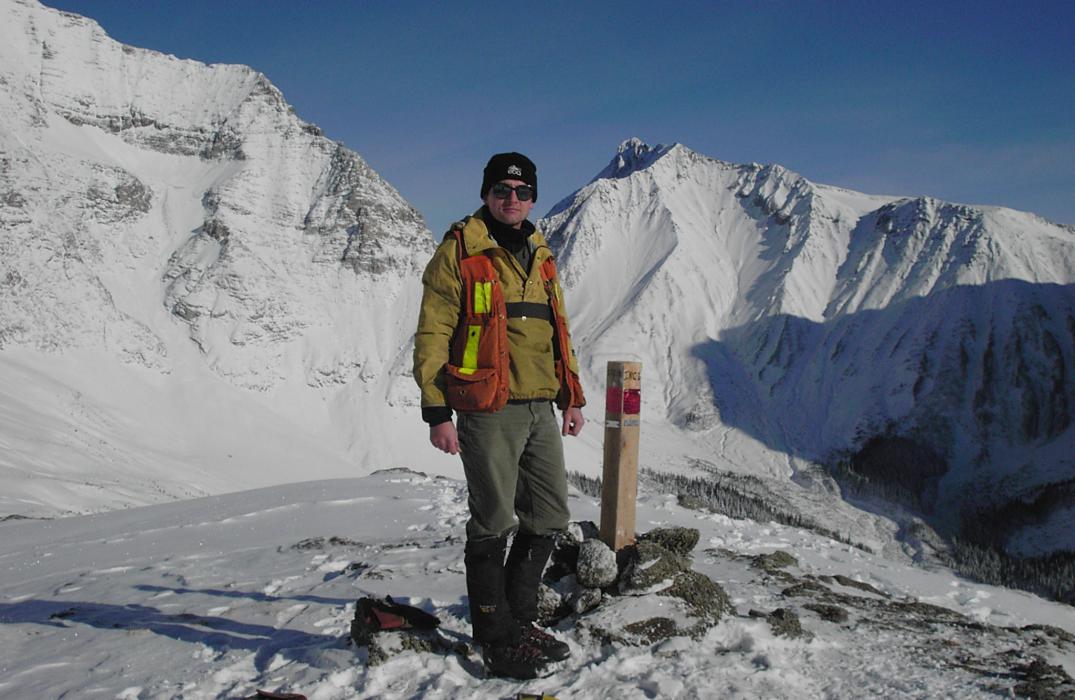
<point x="573" y="421"/>
<point x="444" y="437"/>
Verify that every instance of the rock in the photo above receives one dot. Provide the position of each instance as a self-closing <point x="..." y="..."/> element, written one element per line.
<point x="583" y="530"/>
<point x="680" y="540"/>
<point x="569" y="597"/>
<point x="832" y="613"/>
<point x="321" y="543"/>
<point x="804" y="587"/>
<point x="596" y="565"/>
<point x="924" y="611"/>
<point x="551" y="606"/>
<point x="774" y="560"/>
<point x="386" y="645"/>
<point x="785" y="623"/>
<point x="309" y="543"/>
<point x="422" y="643"/>
<point x="566" y="554"/>
<point x="647" y="565"/>
<point x="706" y="598"/>
<point x="655" y="629"/>
<point x="584" y="600"/>
<point x="375" y="654"/>
<point x="852" y="583"/>
<point x="1041" y="680"/>
<point x="564" y="560"/>
<point x="1051" y="631"/>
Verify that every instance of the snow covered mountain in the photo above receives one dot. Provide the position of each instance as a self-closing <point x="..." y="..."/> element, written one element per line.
<point x="174" y="230"/>
<point x="201" y="293"/>
<point x="247" y="216"/>
<point x="818" y="321"/>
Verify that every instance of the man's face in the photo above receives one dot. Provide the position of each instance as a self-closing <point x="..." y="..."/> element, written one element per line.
<point x="509" y="211"/>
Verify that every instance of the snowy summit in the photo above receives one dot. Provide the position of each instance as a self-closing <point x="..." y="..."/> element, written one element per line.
<point x="216" y="597"/>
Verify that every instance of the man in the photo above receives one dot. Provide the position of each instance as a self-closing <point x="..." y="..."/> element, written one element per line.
<point x="493" y="345"/>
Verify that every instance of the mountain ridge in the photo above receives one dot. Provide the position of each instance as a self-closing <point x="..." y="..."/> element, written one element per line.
<point x="179" y="218"/>
<point x="765" y="269"/>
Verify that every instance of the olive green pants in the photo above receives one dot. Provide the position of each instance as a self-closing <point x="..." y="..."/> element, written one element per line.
<point x="514" y="463"/>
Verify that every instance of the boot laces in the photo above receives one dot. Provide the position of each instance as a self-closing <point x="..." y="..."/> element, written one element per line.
<point x="537" y="636"/>
<point x="524" y="651"/>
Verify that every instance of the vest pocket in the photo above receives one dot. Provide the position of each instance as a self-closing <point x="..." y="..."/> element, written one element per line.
<point x="472" y="389"/>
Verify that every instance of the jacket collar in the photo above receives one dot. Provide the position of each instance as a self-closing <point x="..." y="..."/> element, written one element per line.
<point x="477" y="239"/>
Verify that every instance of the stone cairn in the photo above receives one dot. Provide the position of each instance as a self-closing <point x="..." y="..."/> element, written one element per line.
<point x="645" y="593"/>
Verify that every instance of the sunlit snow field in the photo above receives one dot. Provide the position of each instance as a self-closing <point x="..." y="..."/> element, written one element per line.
<point x="218" y="596"/>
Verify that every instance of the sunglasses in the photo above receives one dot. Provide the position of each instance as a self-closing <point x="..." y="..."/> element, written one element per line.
<point x="524" y="193"/>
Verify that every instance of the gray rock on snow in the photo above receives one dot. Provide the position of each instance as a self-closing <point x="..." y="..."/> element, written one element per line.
<point x="707" y="599"/>
<point x="648" y="566"/>
<point x="584" y="600"/>
<point x="785" y="623"/>
<point x="549" y="603"/>
<point x="565" y="597"/>
<point x="680" y="540"/>
<point x="774" y="560"/>
<point x="582" y="530"/>
<point x="596" y="565"/>
<point x="831" y="613"/>
<point x="649" y="631"/>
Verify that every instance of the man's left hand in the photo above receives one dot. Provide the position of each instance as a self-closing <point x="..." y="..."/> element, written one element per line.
<point x="573" y="421"/>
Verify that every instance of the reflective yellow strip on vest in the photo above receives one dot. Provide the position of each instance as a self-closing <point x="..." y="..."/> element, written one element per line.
<point x="470" y="353"/>
<point x="483" y="297"/>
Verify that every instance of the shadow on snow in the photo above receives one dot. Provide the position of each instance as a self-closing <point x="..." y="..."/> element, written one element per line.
<point x="218" y="633"/>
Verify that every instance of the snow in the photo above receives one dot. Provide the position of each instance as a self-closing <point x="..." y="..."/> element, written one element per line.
<point x="216" y="596"/>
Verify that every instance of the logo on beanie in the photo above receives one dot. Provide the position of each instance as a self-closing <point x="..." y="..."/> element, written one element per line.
<point x="515" y="170"/>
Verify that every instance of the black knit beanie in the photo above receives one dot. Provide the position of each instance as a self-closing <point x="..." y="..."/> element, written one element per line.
<point x="509" y="166"/>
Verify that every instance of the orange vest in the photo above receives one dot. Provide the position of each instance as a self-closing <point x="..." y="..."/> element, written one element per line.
<point x="478" y="370"/>
<point x="570" y="387"/>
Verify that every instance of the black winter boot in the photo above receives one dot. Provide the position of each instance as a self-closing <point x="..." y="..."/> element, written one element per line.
<point x="522" y="573"/>
<point x="550" y="647"/>
<point x="504" y="651"/>
<point x="526" y="562"/>
<point x="490" y="614"/>
<point x="518" y="660"/>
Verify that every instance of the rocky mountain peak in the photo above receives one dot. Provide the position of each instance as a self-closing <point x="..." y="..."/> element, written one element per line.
<point x="631" y="156"/>
<point x="198" y="187"/>
<point x="815" y="318"/>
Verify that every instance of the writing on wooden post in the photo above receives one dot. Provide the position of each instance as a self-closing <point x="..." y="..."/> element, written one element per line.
<point x="619" y="480"/>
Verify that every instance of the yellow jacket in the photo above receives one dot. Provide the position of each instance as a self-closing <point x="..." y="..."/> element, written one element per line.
<point x="530" y="340"/>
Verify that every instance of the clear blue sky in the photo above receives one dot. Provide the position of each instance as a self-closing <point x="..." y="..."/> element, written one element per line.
<point x="966" y="101"/>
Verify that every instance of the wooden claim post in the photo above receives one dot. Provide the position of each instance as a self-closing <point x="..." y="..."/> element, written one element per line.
<point x="619" y="483"/>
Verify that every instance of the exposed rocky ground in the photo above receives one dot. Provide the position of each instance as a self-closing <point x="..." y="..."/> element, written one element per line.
<point x="648" y="594"/>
